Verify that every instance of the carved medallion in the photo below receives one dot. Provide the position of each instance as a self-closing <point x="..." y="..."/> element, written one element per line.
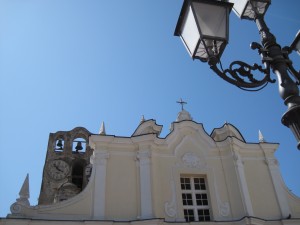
<point x="191" y="160"/>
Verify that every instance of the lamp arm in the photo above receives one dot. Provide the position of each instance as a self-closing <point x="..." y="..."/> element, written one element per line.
<point x="241" y="74"/>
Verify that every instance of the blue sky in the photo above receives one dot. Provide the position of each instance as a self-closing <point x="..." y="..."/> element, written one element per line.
<point x="74" y="63"/>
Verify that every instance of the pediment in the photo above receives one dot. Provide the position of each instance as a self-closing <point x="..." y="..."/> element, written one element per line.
<point x="187" y="133"/>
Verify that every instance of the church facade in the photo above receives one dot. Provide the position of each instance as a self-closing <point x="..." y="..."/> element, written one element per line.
<point x="188" y="176"/>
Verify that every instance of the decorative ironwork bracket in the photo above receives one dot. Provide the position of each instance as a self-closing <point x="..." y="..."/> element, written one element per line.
<point x="286" y="51"/>
<point x="241" y="74"/>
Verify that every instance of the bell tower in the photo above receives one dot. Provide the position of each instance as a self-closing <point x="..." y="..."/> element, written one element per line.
<point x="67" y="166"/>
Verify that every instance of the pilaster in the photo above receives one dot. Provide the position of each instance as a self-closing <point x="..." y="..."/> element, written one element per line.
<point x="243" y="183"/>
<point x="144" y="158"/>
<point x="99" y="161"/>
<point x="280" y="194"/>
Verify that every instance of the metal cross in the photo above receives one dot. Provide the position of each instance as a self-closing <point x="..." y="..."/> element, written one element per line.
<point x="181" y="102"/>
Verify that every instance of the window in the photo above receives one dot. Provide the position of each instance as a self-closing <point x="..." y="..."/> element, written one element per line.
<point x="195" y="199"/>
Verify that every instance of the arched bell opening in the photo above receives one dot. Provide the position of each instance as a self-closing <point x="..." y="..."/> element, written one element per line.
<point x="79" y="145"/>
<point x="59" y="144"/>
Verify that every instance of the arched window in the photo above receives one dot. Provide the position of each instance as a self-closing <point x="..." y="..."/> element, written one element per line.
<point x="77" y="175"/>
<point x="59" y="145"/>
<point x="79" y="145"/>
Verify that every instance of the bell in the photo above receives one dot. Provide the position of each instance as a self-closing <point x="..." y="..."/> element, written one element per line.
<point x="78" y="146"/>
<point x="59" y="144"/>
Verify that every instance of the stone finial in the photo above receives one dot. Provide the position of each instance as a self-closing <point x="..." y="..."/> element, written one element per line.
<point x="183" y="115"/>
<point x="102" y="129"/>
<point x="142" y="119"/>
<point x="261" y="137"/>
<point x="24" y="193"/>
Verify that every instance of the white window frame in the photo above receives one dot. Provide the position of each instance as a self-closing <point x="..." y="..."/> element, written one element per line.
<point x="193" y="193"/>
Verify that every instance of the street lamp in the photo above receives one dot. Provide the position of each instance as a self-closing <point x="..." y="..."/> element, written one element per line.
<point x="203" y="39"/>
<point x="249" y="9"/>
<point x="203" y="28"/>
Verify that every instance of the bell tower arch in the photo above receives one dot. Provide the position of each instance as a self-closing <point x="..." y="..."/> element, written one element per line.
<point x="67" y="159"/>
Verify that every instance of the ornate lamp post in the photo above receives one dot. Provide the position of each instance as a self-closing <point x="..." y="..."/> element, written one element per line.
<point x="203" y="28"/>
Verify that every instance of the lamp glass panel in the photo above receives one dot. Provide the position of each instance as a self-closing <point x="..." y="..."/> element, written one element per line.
<point x="212" y="19"/>
<point x="244" y="9"/>
<point x="239" y="6"/>
<point x="208" y="48"/>
<point x="298" y="47"/>
<point x="260" y="7"/>
<point x="201" y="52"/>
<point x="190" y="34"/>
<point x="296" y="43"/>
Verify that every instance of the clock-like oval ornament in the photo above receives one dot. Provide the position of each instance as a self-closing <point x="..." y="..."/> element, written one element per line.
<point x="58" y="169"/>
